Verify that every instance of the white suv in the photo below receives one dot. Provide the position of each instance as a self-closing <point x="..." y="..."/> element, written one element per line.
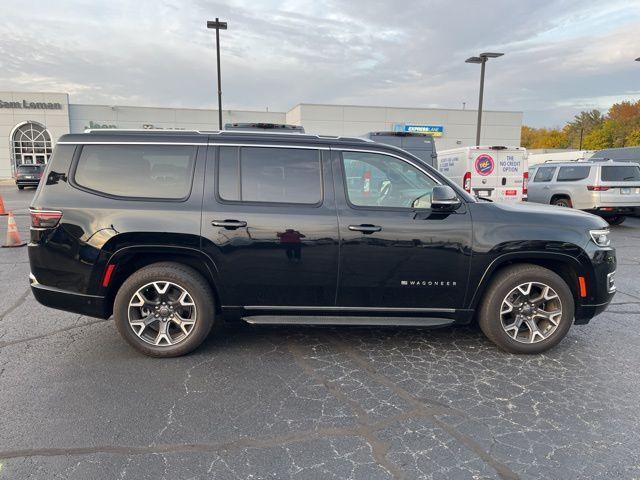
<point x="606" y="188"/>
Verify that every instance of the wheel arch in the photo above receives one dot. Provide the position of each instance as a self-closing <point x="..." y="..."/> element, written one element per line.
<point x="567" y="266"/>
<point x="128" y="260"/>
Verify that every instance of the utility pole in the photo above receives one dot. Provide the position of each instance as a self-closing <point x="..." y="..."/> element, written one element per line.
<point x="218" y="25"/>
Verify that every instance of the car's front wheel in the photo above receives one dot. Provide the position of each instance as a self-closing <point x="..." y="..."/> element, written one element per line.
<point x="164" y="309"/>
<point x="527" y="309"/>
<point x="20" y="187"/>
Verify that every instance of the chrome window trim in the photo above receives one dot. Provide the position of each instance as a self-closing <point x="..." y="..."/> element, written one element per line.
<point x="199" y="144"/>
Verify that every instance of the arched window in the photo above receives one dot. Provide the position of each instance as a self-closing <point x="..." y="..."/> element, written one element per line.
<point x="31" y="143"/>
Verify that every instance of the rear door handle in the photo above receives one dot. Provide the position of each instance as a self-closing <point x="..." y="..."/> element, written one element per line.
<point x="365" y="228"/>
<point x="229" y="224"/>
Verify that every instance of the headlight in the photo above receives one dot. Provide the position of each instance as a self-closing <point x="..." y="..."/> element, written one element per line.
<point x="600" y="237"/>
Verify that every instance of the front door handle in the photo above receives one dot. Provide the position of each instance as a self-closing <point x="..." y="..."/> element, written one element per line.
<point x="365" y="228"/>
<point x="229" y="224"/>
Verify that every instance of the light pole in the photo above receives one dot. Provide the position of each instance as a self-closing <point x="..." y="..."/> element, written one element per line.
<point x="218" y="25"/>
<point x="482" y="60"/>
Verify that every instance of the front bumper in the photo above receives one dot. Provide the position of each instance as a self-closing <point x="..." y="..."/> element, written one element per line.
<point x="90" y="305"/>
<point x="600" y="285"/>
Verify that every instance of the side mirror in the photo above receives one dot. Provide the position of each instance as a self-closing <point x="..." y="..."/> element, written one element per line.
<point x="444" y="199"/>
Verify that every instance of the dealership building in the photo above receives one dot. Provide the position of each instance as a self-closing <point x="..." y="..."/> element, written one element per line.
<point x="31" y="122"/>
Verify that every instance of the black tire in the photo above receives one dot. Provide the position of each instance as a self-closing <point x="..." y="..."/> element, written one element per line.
<point x="616" y="219"/>
<point x="489" y="317"/>
<point x="183" y="276"/>
<point x="20" y="187"/>
<point x="562" y="202"/>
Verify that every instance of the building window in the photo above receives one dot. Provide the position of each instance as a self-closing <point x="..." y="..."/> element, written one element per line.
<point x="31" y="144"/>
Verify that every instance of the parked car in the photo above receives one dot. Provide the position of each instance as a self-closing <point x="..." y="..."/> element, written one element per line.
<point x="609" y="189"/>
<point x="28" y="175"/>
<point x="417" y="144"/>
<point x="291" y="229"/>
<point x="495" y="173"/>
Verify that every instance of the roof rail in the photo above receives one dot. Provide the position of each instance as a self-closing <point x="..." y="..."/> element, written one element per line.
<point x="116" y="131"/>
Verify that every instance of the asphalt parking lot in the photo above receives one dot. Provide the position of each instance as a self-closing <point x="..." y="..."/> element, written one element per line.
<point x="284" y="402"/>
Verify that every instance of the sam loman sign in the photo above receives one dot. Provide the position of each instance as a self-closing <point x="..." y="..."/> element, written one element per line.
<point x="31" y="105"/>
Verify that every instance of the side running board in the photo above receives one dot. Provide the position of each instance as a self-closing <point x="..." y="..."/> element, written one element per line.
<point x="347" y="320"/>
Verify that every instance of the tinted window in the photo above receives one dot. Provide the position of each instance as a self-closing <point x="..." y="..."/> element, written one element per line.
<point x="378" y="180"/>
<point x="147" y="171"/>
<point x="273" y="175"/>
<point x="228" y="173"/>
<point x="571" y="174"/>
<point x="620" y="173"/>
<point x="30" y="168"/>
<point x="544" y="174"/>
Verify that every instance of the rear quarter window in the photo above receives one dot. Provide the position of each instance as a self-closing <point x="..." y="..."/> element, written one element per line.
<point x="573" y="174"/>
<point x="620" y="173"/>
<point x="137" y="171"/>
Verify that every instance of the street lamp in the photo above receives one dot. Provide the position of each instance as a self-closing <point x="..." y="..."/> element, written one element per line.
<point x="482" y="60"/>
<point x="218" y="25"/>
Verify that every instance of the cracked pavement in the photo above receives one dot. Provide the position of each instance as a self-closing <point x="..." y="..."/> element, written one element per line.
<point x="292" y="402"/>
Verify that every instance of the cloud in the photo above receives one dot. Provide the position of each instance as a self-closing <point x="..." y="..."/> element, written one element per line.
<point x="561" y="56"/>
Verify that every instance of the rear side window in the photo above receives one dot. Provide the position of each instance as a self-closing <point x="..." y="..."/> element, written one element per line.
<point x="144" y="171"/>
<point x="572" y="174"/>
<point x="621" y="173"/>
<point x="544" y="174"/>
<point x="270" y="175"/>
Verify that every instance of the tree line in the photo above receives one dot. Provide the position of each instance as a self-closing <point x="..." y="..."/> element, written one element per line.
<point x="591" y="130"/>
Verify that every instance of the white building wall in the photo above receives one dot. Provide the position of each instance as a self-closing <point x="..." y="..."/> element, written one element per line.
<point x="105" y="116"/>
<point x="56" y="121"/>
<point x="499" y="128"/>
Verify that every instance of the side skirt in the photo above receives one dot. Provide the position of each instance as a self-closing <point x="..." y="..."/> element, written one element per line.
<point x="347" y="320"/>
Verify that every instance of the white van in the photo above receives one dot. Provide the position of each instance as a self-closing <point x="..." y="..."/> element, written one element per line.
<point x="496" y="173"/>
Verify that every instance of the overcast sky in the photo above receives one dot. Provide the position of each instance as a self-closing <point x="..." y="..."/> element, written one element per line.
<point x="561" y="56"/>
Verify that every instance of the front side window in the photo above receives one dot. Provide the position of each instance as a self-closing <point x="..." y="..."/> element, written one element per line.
<point x="573" y="174"/>
<point x="270" y="175"/>
<point x="544" y="174"/>
<point x="621" y="173"/>
<point x="143" y="171"/>
<point x="378" y="180"/>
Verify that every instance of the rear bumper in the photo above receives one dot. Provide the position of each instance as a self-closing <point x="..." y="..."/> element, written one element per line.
<point x="90" y="305"/>
<point x="613" y="210"/>
<point x="27" y="182"/>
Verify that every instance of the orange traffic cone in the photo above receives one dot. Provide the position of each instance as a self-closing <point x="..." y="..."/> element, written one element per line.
<point x="13" y="236"/>
<point x="2" y="210"/>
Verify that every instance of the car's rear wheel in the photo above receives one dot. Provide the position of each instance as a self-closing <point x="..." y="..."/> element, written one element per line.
<point x="164" y="310"/>
<point x="562" y="202"/>
<point x="527" y="309"/>
<point x="615" y="220"/>
<point x="20" y="187"/>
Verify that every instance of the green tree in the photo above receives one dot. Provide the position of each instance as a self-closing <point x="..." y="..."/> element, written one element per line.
<point x="633" y="139"/>
<point x="601" y="136"/>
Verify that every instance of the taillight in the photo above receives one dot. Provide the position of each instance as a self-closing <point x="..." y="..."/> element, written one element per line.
<point x="525" y="184"/>
<point x="45" y="218"/>
<point x="593" y="188"/>
<point x="466" y="182"/>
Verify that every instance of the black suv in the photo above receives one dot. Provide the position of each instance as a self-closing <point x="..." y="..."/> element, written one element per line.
<point x="28" y="175"/>
<point x="174" y="232"/>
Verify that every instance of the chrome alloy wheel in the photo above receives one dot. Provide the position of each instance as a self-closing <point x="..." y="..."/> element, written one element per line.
<point x="531" y="312"/>
<point x="162" y="313"/>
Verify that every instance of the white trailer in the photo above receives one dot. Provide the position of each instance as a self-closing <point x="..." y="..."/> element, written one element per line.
<point x="497" y="173"/>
